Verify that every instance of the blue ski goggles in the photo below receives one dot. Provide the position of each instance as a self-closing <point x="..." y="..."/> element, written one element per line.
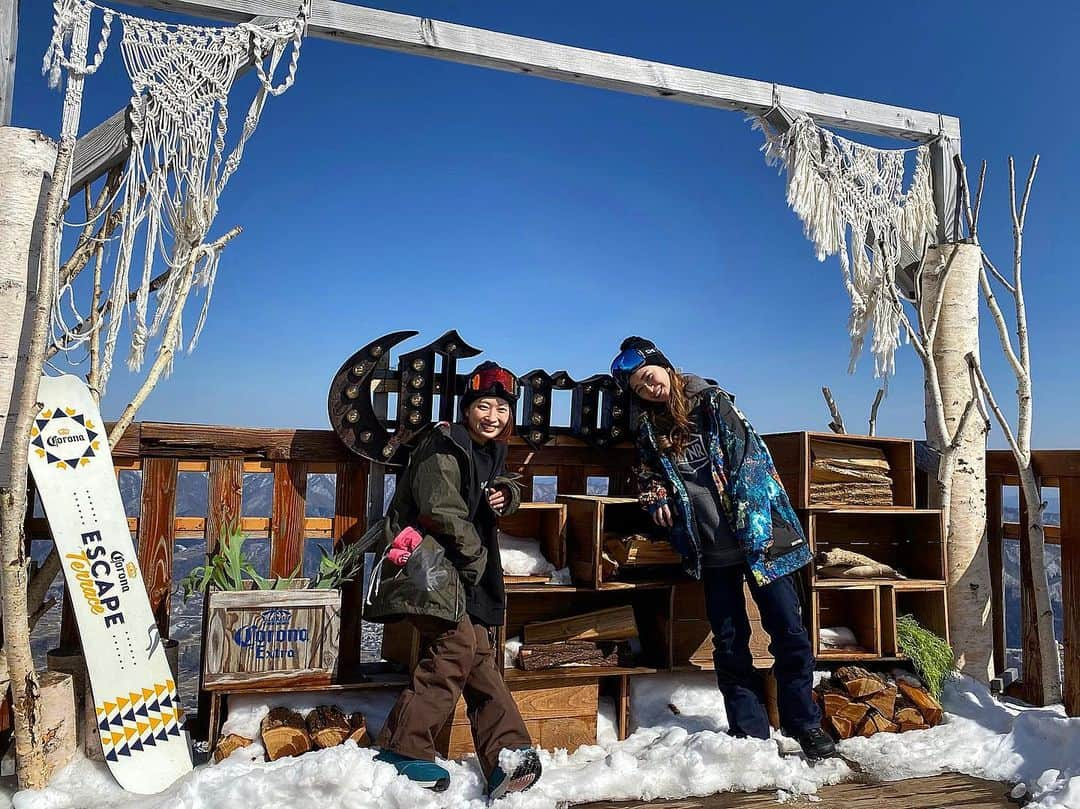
<point x="624" y="365"/>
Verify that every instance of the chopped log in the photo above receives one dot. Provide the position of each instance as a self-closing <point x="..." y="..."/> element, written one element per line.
<point x="884" y="702"/>
<point x="854" y="712"/>
<point x="929" y="707"/>
<point x="229" y="745"/>
<point x="637" y="550"/>
<point x="328" y="726"/>
<point x="284" y="733"/>
<point x="883" y="725"/>
<point x="540" y="656"/>
<point x="358" y="730"/>
<point x="841" y="728"/>
<point x="906" y="726"/>
<point x="855" y="456"/>
<point x="867" y="728"/>
<point x="908" y="716"/>
<point x="58" y="725"/>
<point x="858" y="681"/>
<point x="833" y="702"/>
<point x="616" y="623"/>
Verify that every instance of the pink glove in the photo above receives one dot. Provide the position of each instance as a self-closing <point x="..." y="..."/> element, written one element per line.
<point x="403" y="545"/>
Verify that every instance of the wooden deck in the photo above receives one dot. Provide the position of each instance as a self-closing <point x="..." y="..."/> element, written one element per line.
<point x="938" y="792"/>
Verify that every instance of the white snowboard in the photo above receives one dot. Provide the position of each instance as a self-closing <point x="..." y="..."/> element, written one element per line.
<point x="138" y="712"/>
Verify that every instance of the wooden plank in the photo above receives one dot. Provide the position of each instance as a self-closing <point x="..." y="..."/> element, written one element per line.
<point x="1070" y="590"/>
<point x="1030" y="647"/>
<point x="1047" y="462"/>
<point x="939" y="792"/>
<point x="157" y="533"/>
<point x="616" y="623"/>
<point x="212" y="441"/>
<point x="350" y="509"/>
<point x="287" y="518"/>
<point x="997" y="575"/>
<point x="345" y="22"/>
<point x="1011" y="530"/>
<point x="9" y="37"/>
<point x="226" y="490"/>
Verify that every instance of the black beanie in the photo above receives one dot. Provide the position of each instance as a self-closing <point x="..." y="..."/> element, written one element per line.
<point x="653" y="355"/>
<point x="497" y="390"/>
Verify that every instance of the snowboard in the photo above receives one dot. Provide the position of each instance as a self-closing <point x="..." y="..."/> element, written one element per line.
<point x="138" y="713"/>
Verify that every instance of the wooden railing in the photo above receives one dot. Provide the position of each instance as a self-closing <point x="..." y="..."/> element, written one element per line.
<point x="1058" y="469"/>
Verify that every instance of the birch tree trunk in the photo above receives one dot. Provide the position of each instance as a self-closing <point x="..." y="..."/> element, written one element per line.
<point x="961" y="493"/>
<point x="27" y="161"/>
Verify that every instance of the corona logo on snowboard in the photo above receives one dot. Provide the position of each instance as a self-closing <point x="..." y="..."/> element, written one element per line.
<point x="65" y="438"/>
<point x="271" y="635"/>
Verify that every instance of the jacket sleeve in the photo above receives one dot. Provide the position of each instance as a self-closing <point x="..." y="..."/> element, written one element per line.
<point x="651" y="486"/>
<point x="444" y="514"/>
<point x="513" y="493"/>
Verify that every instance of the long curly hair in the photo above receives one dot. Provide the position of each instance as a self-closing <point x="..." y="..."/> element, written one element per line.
<point x="672" y="418"/>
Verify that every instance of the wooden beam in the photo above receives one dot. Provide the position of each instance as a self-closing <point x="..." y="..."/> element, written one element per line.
<point x="1070" y="592"/>
<point x="357" y="25"/>
<point x="9" y="37"/>
<point x="1047" y="462"/>
<point x="108" y="144"/>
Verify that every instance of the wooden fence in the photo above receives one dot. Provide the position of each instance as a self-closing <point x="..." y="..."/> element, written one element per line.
<point x="1055" y="468"/>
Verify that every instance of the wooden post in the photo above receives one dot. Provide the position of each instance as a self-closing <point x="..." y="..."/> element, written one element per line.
<point x="1069" y="490"/>
<point x="9" y="38"/>
<point x="994" y="538"/>
<point x="157" y="533"/>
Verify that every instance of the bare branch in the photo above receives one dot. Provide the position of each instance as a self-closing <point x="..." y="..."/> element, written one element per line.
<point x="837" y="423"/>
<point x="965" y="194"/>
<point x="1027" y="190"/>
<point x="978" y="199"/>
<point x="1012" y="195"/>
<point x="973" y="364"/>
<point x="170" y="338"/>
<point x="997" y="273"/>
<point x="874" y="410"/>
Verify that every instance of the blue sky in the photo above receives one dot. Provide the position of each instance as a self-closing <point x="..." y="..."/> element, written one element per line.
<point x="546" y="221"/>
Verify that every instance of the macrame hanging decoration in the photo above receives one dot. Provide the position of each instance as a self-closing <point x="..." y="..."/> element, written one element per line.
<point x="852" y="203"/>
<point x="181" y="76"/>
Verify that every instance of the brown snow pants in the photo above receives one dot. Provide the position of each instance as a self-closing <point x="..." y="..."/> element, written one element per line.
<point x="454" y="661"/>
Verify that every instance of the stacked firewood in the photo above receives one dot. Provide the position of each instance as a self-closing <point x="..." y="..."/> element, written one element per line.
<point x="850" y="474"/>
<point x="857" y="702"/>
<point x="285" y="732"/>
<point x="599" y="638"/>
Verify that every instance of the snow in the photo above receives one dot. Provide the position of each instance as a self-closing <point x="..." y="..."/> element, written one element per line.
<point x="522" y="557"/>
<point x="677" y="749"/>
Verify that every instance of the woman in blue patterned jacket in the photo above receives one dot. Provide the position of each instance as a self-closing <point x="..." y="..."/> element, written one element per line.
<point x="707" y="477"/>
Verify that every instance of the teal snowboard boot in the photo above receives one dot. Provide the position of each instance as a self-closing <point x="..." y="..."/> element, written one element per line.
<point x="427" y="774"/>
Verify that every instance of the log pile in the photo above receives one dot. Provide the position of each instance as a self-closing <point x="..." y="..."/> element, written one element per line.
<point x="284" y="732"/>
<point x="850" y="474"/>
<point x="541" y="656"/>
<point x="857" y="702"/>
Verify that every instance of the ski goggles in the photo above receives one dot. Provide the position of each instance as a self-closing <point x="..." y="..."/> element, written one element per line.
<point x="487" y="380"/>
<point x="624" y="365"/>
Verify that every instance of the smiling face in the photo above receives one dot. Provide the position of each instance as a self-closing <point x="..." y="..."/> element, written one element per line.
<point x="651" y="383"/>
<point x="487" y="418"/>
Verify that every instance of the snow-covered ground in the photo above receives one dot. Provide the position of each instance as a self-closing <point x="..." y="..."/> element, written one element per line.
<point x="668" y="755"/>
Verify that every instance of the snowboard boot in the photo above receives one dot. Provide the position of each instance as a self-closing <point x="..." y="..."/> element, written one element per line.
<point x="427" y="774"/>
<point x="816" y="744"/>
<point x="516" y="771"/>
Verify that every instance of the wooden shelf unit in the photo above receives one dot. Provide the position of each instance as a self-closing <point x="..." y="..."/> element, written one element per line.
<point x="911" y="541"/>
<point x="544" y="522"/>
<point x="793" y="455"/>
<point x="927" y="603"/>
<point x="857" y="607"/>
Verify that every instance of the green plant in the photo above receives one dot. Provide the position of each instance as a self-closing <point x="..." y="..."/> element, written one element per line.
<point x="340" y="567"/>
<point x="931" y="655"/>
<point x="227" y="569"/>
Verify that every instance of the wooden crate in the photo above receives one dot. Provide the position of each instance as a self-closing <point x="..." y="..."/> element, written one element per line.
<point x="912" y="541"/>
<point x="557" y="716"/>
<point x="857" y="606"/>
<point x="257" y="638"/>
<point x="651" y="605"/>
<point x="588" y="518"/>
<point x="793" y="455"/>
<point x="928" y="605"/>
<point x="544" y="522"/>
<point x="691" y="632"/>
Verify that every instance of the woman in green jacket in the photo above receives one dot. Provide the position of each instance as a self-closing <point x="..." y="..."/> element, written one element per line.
<point x="448" y="502"/>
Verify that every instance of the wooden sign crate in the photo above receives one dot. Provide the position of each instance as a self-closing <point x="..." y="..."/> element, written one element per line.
<point x="793" y="454"/>
<point x="559" y="716"/>
<point x="544" y="522"/>
<point x="260" y="638"/>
